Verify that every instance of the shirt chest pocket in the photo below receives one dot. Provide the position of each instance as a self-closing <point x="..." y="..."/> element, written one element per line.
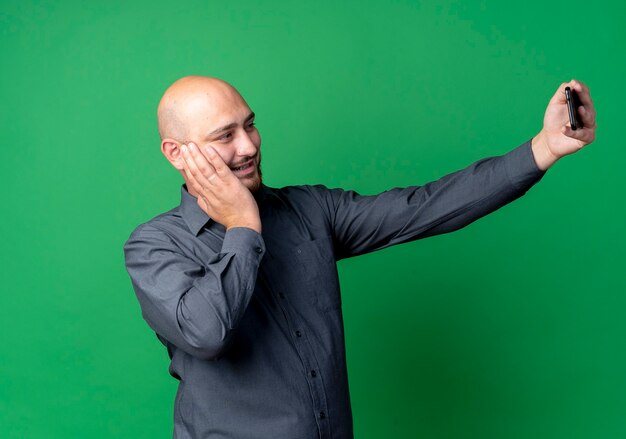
<point x="311" y="274"/>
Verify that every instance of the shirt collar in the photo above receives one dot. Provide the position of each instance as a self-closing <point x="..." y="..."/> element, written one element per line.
<point x="195" y="217"/>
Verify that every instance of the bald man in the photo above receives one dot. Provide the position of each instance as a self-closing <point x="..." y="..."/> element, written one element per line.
<point x="240" y="283"/>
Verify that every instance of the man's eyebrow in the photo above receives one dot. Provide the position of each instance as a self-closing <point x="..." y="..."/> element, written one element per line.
<point x="230" y="125"/>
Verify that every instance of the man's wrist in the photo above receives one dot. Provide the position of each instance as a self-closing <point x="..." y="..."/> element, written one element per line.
<point x="541" y="152"/>
<point x="250" y="224"/>
<point x="245" y="241"/>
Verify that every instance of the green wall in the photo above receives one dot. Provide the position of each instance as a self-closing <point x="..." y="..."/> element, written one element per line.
<point x="510" y="328"/>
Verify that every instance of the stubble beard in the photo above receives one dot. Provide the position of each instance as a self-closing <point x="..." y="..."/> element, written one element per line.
<point x="253" y="182"/>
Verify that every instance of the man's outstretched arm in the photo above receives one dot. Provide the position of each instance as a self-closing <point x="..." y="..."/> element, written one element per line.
<point x="362" y="224"/>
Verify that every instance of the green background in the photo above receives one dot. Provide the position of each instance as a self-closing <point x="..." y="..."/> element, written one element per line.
<point x="511" y="328"/>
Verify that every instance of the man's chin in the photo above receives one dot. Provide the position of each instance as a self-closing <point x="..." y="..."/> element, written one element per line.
<point x="253" y="183"/>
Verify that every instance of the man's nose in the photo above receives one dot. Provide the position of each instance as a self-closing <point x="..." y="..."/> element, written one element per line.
<point x="245" y="146"/>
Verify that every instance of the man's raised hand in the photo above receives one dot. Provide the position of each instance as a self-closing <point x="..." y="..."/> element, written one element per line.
<point x="220" y="193"/>
<point x="557" y="139"/>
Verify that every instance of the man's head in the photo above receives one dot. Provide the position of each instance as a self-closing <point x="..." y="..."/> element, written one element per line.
<point x="208" y="111"/>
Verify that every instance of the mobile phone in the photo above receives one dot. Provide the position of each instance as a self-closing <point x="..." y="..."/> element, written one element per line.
<point x="572" y="108"/>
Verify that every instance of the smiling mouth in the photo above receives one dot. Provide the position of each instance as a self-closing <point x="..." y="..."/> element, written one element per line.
<point x="247" y="166"/>
<point x="242" y="167"/>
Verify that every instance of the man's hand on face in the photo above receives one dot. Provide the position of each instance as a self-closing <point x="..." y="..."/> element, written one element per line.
<point x="220" y="193"/>
<point x="557" y="139"/>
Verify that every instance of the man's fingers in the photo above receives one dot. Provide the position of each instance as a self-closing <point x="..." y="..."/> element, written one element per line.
<point x="200" y="168"/>
<point x="189" y="162"/>
<point x="581" y="89"/>
<point x="586" y="110"/>
<point x="588" y="116"/>
<point x="584" y="135"/>
<point x="197" y="180"/>
<point x="584" y="95"/>
<point x="191" y="180"/>
<point x="205" y="168"/>
<point x="217" y="162"/>
<point x="559" y="96"/>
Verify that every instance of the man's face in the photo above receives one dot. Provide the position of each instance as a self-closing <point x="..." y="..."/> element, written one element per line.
<point x="224" y="121"/>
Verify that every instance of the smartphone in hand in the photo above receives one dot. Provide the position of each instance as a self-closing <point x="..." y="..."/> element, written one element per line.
<point x="572" y="108"/>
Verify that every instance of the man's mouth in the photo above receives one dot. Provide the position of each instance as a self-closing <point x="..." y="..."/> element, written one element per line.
<point x="243" y="169"/>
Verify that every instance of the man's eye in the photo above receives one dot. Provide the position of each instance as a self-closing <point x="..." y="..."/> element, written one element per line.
<point x="251" y="125"/>
<point x="226" y="136"/>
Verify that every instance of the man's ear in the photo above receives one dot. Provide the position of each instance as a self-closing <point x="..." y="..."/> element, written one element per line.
<point x="171" y="150"/>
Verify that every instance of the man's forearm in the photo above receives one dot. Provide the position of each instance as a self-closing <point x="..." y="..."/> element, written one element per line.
<point x="194" y="305"/>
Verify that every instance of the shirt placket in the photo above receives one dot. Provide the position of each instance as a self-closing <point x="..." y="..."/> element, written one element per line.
<point x="312" y="373"/>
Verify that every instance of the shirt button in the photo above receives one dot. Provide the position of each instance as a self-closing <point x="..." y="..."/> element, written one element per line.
<point x="313" y="373"/>
<point x="322" y="415"/>
<point x="299" y="334"/>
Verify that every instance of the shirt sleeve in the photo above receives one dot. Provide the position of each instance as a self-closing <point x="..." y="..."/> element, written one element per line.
<point x="193" y="305"/>
<point x="362" y="224"/>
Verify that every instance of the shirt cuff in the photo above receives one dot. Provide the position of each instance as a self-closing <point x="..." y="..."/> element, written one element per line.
<point x="243" y="240"/>
<point x="521" y="167"/>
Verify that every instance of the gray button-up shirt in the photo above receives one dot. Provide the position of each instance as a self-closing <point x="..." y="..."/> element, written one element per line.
<point x="253" y="324"/>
